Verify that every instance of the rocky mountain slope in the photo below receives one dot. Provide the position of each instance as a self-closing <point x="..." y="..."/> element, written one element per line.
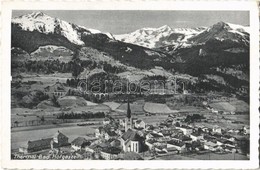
<point x="159" y="37"/>
<point x="216" y="57"/>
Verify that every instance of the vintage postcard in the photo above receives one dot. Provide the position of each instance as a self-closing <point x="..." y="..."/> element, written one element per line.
<point x="127" y="84"/>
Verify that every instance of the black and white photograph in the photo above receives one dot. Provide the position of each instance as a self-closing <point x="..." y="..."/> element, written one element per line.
<point x="142" y="85"/>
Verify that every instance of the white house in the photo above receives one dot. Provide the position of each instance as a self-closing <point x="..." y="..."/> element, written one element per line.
<point x="106" y="121"/>
<point x="210" y="146"/>
<point x="139" y="124"/>
<point x="79" y="143"/>
<point x="110" y="153"/>
<point x="217" y="129"/>
<point x="185" y="130"/>
<point x="180" y="146"/>
<point x="195" y="136"/>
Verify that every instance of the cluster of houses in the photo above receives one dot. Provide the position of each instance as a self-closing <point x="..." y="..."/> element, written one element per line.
<point x="132" y="138"/>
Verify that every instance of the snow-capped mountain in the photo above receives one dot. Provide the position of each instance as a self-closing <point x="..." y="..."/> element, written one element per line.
<point x="196" y="52"/>
<point x="38" y="21"/>
<point x="158" y="37"/>
<point x="184" y="37"/>
<point x="223" y="31"/>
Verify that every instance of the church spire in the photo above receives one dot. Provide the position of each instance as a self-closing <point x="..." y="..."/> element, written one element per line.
<point x="128" y="115"/>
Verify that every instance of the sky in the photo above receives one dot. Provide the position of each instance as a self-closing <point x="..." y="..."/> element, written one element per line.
<point x="126" y="21"/>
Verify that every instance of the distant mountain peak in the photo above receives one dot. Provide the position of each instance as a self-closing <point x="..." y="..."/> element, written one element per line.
<point x="37" y="14"/>
<point x="165" y="28"/>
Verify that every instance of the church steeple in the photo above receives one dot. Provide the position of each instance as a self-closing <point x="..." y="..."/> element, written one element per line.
<point x="128" y="119"/>
<point x="128" y="114"/>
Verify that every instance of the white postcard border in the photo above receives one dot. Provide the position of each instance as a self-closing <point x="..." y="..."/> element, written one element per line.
<point x="7" y="8"/>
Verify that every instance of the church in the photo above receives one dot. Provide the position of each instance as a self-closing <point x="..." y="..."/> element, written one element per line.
<point x="132" y="140"/>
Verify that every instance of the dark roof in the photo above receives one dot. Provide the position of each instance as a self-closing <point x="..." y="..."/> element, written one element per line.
<point x="139" y="121"/>
<point x="130" y="156"/>
<point x="106" y="119"/>
<point x="195" y="134"/>
<point x="173" y="142"/>
<point x="79" y="141"/>
<point x="111" y="150"/>
<point x="104" y="144"/>
<point x="100" y="129"/>
<point x="151" y="141"/>
<point x="166" y="132"/>
<point x="111" y="133"/>
<point x="182" y="137"/>
<point x="59" y="134"/>
<point x="155" y="135"/>
<point x="41" y="142"/>
<point x="132" y="135"/>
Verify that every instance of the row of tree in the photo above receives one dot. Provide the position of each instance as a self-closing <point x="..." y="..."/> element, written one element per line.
<point x="83" y="115"/>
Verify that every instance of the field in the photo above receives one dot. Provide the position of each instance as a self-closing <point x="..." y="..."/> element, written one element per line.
<point x="47" y="79"/>
<point x="157" y="108"/>
<point x="231" y="106"/>
<point x="136" y="107"/>
<point x="112" y="105"/>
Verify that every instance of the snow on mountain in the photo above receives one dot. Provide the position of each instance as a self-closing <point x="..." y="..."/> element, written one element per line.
<point x="223" y="31"/>
<point x="38" y="21"/>
<point x="94" y="31"/>
<point x="165" y="35"/>
<point x="45" y="24"/>
<point x="157" y="37"/>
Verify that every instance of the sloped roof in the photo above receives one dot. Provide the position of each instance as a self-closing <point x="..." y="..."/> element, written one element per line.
<point x="176" y="143"/>
<point x="132" y="135"/>
<point x="130" y="156"/>
<point x="111" y="150"/>
<point x="59" y="134"/>
<point x="37" y="143"/>
<point x="79" y="141"/>
<point x="139" y="121"/>
<point x="111" y="133"/>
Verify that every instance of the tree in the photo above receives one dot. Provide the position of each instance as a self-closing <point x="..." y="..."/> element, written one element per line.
<point x="177" y="124"/>
<point x="42" y="119"/>
<point x="16" y="123"/>
<point x="55" y="101"/>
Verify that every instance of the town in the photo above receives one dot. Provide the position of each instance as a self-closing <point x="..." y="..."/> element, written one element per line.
<point x="177" y="136"/>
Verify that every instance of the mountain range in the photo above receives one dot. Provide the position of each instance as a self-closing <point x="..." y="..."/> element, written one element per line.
<point x="217" y="57"/>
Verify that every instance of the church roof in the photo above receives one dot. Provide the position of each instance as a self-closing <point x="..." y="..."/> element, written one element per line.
<point x="132" y="135"/>
<point x="128" y="114"/>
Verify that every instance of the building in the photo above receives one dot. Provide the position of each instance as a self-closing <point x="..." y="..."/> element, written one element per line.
<point x="106" y="121"/>
<point x="196" y="136"/>
<point x="129" y="156"/>
<point x="79" y="143"/>
<point x="185" y="129"/>
<point x="110" y="153"/>
<point x="58" y="140"/>
<point x="99" y="132"/>
<point x="180" y="146"/>
<point x="57" y="90"/>
<point x="210" y="146"/>
<point x="36" y="145"/>
<point x="128" y="119"/>
<point x="139" y="124"/>
<point x="110" y="135"/>
<point x="217" y="129"/>
<point x="132" y="141"/>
